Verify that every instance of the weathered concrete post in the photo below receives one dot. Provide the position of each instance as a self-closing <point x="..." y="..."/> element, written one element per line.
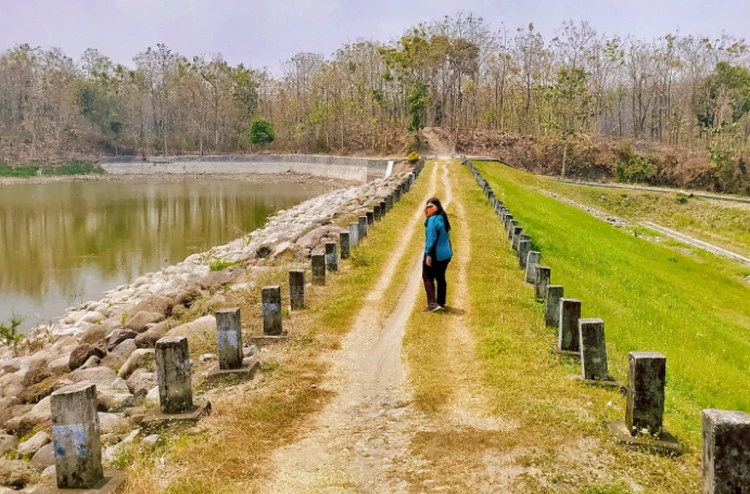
<point x="383" y="208"/>
<point x="593" y="349"/>
<point x="345" y="246"/>
<point x="541" y="281"/>
<point x="332" y="257"/>
<point x="552" y="305"/>
<point x="370" y="217"/>
<point x="353" y="235"/>
<point x="173" y="374"/>
<point x="376" y="212"/>
<point x="524" y="246"/>
<point x="396" y="194"/>
<point x="570" y="313"/>
<point x="75" y="435"/>
<point x="532" y="261"/>
<point x="362" y="227"/>
<point x="229" y="331"/>
<point x="318" y="262"/>
<point x="726" y="451"/>
<point x="271" y="297"/>
<point x="508" y="222"/>
<point x="297" y="288"/>
<point x="644" y="411"/>
<point x="388" y="202"/>
<point x="515" y="234"/>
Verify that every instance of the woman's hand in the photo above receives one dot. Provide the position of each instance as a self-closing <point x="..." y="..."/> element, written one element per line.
<point x="428" y="261"/>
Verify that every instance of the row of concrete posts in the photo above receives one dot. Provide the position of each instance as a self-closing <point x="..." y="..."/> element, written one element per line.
<point x="726" y="434"/>
<point x="75" y="423"/>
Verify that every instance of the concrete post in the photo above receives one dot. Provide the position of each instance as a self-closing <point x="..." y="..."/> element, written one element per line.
<point x="396" y="194"/>
<point x="524" y="246"/>
<point x="532" y="261"/>
<point x="726" y="451"/>
<point x="345" y="247"/>
<point x="388" y="202"/>
<point x="542" y="280"/>
<point x="332" y="257"/>
<point x="297" y="288"/>
<point x="362" y="227"/>
<point x="271" y="297"/>
<point x="75" y="434"/>
<point x="552" y="305"/>
<point x="353" y="235"/>
<point x="318" y="262"/>
<point x="173" y="374"/>
<point x="508" y="222"/>
<point x="370" y="217"/>
<point x="376" y="212"/>
<point x="570" y="312"/>
<point x="229" y="331"/>
<point x="383" y="209"/>
<point x="644" y="411"/>
<point x="593" y="349"/>
<point x="516" y="237"/>
<point x="512" y="224"/>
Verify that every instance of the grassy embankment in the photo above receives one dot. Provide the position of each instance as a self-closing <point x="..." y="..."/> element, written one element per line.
<point x="726" y="224"/>
<point x="230" y="449"/>
<point x="70" y="168"/>
<point x="650" y="297"/>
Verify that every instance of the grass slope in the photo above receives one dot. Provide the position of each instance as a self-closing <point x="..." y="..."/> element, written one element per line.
<point x="693" y="310"/>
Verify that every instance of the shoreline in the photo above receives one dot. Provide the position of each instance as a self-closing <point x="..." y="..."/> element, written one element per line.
<point x="286" y="177"/>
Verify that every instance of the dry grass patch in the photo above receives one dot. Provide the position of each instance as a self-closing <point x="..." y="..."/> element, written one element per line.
<point x="227" y="451"/>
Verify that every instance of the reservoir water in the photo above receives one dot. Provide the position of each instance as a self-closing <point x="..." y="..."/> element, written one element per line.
<point x="65" y="243"/>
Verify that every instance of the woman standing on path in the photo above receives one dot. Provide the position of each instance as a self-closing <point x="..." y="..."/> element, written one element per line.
<point x="437" y="254"/>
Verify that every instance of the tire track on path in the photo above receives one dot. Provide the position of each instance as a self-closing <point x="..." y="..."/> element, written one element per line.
<point x="360" y="441"/>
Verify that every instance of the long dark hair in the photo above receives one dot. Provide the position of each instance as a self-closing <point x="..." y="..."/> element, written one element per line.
<point x="441" y="211"/>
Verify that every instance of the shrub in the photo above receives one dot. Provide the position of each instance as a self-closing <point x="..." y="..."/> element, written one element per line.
<point x="260" y="132"/>
<point x="413" y="157"/>
<point x="633" y="167"/>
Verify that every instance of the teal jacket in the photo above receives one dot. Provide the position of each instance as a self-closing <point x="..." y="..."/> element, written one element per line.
<point x="437" y="243"/>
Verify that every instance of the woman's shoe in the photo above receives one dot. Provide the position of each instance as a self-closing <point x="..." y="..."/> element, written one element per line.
<point x="435" y="308"/>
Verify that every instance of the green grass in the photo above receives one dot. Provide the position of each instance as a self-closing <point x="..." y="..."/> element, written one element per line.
<point x="69" y="168"/>
<point x="692" y="308"/>
<point x="723" y="223"/>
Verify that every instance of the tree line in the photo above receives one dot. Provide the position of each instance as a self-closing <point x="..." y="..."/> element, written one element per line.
<point x="689" y="91"/>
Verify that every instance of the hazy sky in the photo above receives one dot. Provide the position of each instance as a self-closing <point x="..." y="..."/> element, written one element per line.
<point x="262" y="33"/>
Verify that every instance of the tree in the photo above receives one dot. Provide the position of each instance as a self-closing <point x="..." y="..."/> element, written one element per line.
<point x="260" y="132"/>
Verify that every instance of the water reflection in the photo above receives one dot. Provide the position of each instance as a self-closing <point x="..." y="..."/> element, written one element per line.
<point x="63" y="243"/>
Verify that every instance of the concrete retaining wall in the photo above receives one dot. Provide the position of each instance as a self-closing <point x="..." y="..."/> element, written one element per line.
<point x="361" y="169"/>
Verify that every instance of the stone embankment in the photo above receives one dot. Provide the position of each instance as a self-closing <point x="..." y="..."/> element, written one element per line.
<point x="110" y="342"/>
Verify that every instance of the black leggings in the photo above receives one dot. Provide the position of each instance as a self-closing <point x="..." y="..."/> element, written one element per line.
<point x="432" y="275"/>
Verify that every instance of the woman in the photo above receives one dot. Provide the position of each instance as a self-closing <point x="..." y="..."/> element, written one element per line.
<point x="437" y="254"/>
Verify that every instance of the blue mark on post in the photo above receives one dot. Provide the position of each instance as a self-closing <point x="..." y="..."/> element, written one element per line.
<point x="69" y="439"/>
<point x="228" y="339"/>
<point x="269" y="308"/>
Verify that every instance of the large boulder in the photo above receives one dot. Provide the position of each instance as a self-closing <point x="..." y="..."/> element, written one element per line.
<point x="141" y="320"/>
<point x="118" y="336"/>
<point x="148" y="338"/>
<point x="155" y="304"/>
<point x="142" y="358"/>
<point x="45" y="457"/>
<point x="36" y="373"/>
<point x="110" y="422"/>
<point x="83" y="352"/>
<point x="39" y="414"/>
<point x="101" y="376"/>
<point x="120" y="354"/>
<point x="93" y="334"/>
<point x="10" y="409"/>
<point x="15" y="473"/>
<point x="111" y="400"/>
<point x="195" y="329"/>
<point x="7" y="443"/>
<point x="60" y="365"/>
<point x="32" y="445"/>
<point x="216" y="279"/>
<point x="141" y="382"/>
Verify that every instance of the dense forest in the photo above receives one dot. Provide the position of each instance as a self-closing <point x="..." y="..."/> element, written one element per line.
<point x="640" y="110"/>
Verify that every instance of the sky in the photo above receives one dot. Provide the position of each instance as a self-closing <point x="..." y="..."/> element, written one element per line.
<point x="264" y="33"/>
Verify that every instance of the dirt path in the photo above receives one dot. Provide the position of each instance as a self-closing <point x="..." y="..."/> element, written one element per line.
<point x="435" y="145"/>
<point x="360" y="442"/>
